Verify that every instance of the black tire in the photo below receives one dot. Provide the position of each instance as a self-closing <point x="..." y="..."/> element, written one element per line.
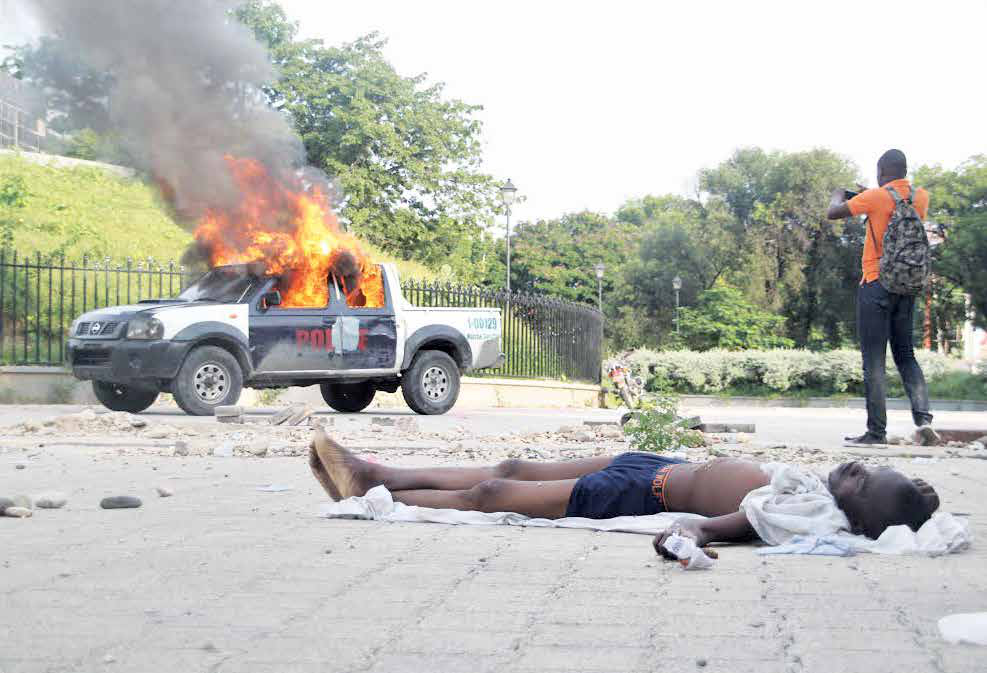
<point x="431" y="385"/>
<point x="209" y="377"/>
<point x="115" y="397"/>
<point x="349" y="398"/>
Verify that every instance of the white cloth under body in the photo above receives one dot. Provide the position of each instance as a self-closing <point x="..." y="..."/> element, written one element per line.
<point x="794" y="506"/>
<point x="797" y="506"/>
<point x="378" y="505"/>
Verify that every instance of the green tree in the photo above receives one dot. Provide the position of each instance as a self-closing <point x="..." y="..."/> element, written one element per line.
<point x="76" y="94"/>
<point x="404" y="157"/>
<point x="558" y="257"/>
<point x="724" y="318"/>
<point x="792" y="259"/>
<point x="958" y="199"/>
<point x="678" y="237"/>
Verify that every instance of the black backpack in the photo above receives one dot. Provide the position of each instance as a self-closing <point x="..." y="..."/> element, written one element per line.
<point x="905" y="259"/>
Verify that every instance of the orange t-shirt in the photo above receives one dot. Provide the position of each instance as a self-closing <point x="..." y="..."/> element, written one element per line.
<point x="878" y="205"/>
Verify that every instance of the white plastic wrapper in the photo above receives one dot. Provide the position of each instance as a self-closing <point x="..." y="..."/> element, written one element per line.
<point x="689" y="555"/>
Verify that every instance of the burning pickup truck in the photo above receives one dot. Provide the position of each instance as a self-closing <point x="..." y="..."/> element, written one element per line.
<point x="232" y="328"/>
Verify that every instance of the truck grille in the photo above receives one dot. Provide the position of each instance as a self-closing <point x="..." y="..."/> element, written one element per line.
<point x="91" y="357"/>
<point x="86" y="329"/>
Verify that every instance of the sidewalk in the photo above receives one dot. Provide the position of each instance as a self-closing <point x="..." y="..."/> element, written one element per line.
<point x="221" y="577"/>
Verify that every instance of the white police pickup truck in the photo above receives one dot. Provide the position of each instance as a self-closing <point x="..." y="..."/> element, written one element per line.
<point x="228" y="330"/>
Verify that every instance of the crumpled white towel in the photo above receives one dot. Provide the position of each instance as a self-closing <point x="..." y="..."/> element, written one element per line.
<point x="797" y="510"/>
<point x="378" y="504"/>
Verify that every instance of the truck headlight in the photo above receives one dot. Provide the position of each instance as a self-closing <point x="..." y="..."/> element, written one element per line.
<point x="145" y="328"/>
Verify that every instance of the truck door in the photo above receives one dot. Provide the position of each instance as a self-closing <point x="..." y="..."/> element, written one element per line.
<point x="365" y="337"/>
<point x="336" y="337"/>
<point x="286" y="339"/>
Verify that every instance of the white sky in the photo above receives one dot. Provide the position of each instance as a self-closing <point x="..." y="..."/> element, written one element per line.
<point x="589" y="104"/>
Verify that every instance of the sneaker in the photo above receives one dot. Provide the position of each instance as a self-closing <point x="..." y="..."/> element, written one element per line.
<point x="866" y="439"/>
<point x="926" y="436"/>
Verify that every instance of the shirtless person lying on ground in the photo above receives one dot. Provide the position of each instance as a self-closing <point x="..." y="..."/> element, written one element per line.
<point x="630" y="484"/>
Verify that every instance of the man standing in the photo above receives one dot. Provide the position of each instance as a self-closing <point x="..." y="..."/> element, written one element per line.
<point x="884" y="316"/>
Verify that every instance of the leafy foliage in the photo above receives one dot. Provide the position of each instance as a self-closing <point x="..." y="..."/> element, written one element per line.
<point x="654" y="428"/>
<point x="724" y="318"/>
<point x="958" y="200"/>
<point x="776" y="371"/>
<point x="404" y="158"/>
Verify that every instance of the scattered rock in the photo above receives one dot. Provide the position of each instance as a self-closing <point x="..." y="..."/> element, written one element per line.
<point x="162" y="432"/>
<point x="407" y="424"/>
<point x="609" y="431"/>
<point x="181" y="448"/>
<point x="701" y="662"/>
<point x="109" y="659"/>
<point x="20" y="466"/>
<point x="164" y="491"/>
<point x="299" y="415"/>
<point x="259" y="447"/>
<point x="5" y="503"/>
<point x="282" y="415"/>
<point x="53" y="500"/>
<point x="229" y="414"/>
<point x="977" y="445"/>
<point x="897" y="440"/>
<point x="18" y="512"/>
<point x="382" y="420"/>
<point x="120" y="502"/>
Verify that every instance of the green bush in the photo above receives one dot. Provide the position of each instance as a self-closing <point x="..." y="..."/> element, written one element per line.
<point x="766" y="371"/>
<point x="655" y="427"/>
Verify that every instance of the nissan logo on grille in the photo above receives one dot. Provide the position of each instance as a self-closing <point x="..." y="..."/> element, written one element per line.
<point x="94" y="330"/>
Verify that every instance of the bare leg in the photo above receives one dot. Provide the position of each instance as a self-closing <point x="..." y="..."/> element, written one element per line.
<point x="460" y="478"/>
<point x="320" y="473"/>
<point x="352" y="476"/>
<point x="546" y="499"/>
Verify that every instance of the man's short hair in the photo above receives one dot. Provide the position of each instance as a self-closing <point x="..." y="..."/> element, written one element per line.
<point x="893" y="164"/>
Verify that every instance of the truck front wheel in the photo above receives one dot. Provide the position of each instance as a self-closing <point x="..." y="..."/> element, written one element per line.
<point x="209" y="377"/>
<point x="348" y="398"/>
<point x="431" y="385"/>
<point x="123" y="398"/>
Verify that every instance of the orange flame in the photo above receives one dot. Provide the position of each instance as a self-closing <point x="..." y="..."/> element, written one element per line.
<point x="295" y="234"/>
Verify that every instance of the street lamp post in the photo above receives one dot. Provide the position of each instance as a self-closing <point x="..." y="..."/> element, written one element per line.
<point x="676" y="285"/>
<point x="507" y="193"/>
<point x="599" y="285"/>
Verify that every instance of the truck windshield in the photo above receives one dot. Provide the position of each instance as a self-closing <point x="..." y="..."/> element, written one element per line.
<point x="225" y="284"/>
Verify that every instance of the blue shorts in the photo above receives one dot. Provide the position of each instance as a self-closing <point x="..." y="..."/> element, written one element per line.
<point x="632" y="485"/>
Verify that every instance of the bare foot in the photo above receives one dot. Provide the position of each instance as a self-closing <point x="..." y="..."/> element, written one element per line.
<point x="320" y="473"/>
<point x="350" y="475"/>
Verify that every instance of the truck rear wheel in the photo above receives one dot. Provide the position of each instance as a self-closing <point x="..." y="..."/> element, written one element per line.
<point x="431" y="385"/>
<point x="115" y="397"/>
<point x="209" y="377"/>
<point x="348" y="398"/>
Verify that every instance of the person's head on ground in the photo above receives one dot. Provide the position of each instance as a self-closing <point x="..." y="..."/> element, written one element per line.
<point x="876" y="498"/>
<point x="891" y="166"/>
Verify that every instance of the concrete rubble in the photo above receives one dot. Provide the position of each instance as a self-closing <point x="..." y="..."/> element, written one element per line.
<point x="288" y="433"/>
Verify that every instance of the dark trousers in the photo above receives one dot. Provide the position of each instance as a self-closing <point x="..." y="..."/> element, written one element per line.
<point x="883" y="317"/>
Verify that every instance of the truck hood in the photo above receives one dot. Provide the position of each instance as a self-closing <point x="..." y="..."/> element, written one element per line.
<point x="156" y="307"/>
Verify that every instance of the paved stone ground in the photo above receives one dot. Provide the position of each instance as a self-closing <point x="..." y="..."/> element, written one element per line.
<point x="222" y="577"/>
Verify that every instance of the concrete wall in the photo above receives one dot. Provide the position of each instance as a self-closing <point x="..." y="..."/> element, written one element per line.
<point x="55" y="385"/>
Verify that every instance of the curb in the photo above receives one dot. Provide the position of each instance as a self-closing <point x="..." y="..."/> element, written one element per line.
<point x="823" y="402"/>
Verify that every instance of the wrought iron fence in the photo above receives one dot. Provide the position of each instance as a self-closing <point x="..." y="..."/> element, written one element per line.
<point x="40" y="296"/>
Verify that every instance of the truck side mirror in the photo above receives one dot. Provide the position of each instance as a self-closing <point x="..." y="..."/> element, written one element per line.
<point x="272" y="298"/>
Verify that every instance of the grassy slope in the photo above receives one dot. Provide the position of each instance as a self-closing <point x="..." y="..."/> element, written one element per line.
<point x="86" y="211"/>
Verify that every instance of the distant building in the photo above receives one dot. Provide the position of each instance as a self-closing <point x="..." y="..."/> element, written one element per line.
<point x="22" y="115"/>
